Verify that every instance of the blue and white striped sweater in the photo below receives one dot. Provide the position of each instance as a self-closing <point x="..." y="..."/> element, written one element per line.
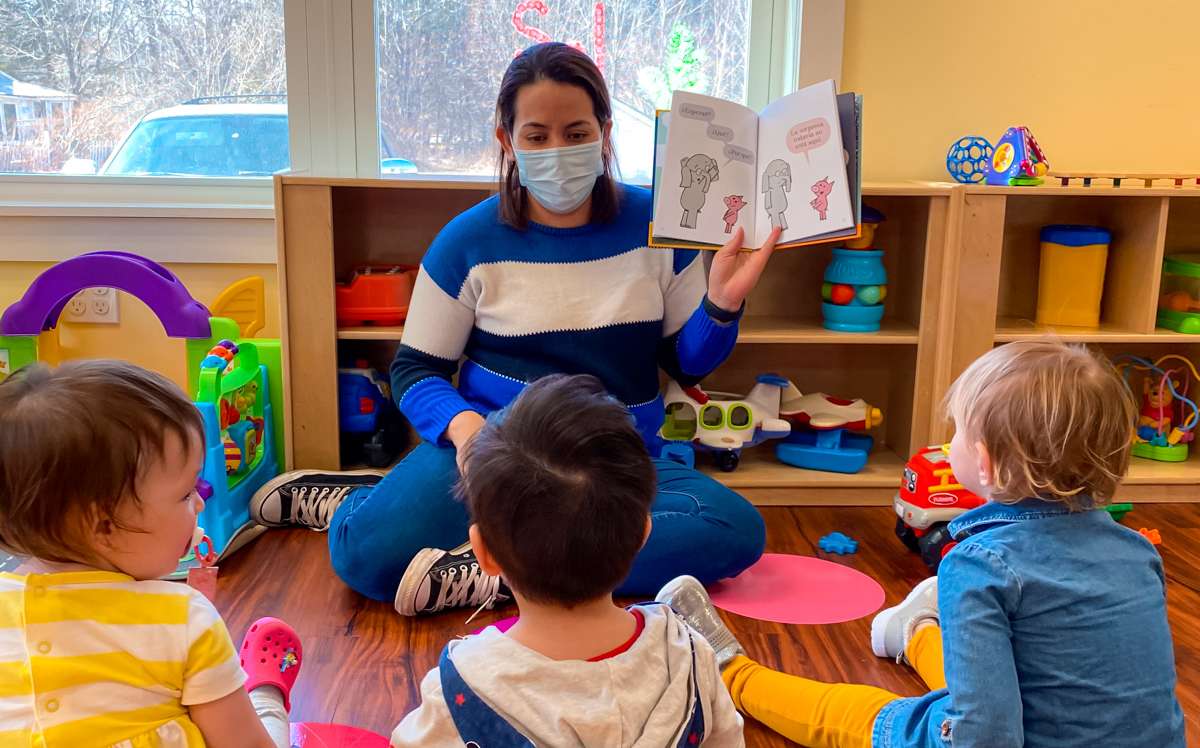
<point x="523" y="304"/>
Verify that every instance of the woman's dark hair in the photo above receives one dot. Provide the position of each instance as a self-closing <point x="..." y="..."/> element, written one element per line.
<point x="560" y="489"/>
<point x="557" y="62"/>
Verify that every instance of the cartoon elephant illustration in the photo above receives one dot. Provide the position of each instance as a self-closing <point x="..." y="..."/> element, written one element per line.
<point x="699" y="171"/>
<point x="777" y="182"/>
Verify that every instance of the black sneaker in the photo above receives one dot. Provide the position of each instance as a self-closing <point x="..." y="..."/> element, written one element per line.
<point x="307" y="498"/>
<point x="437" y="580"/>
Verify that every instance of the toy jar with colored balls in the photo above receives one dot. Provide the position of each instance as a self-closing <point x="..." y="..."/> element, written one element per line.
<point x="854" y="289"/>
<point x="856" y="281"/>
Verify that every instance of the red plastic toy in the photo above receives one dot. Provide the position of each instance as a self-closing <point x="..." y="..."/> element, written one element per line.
<point x="929" y="497"/>
<point x="1151" y="534"/>
<point x="376" y="295"/>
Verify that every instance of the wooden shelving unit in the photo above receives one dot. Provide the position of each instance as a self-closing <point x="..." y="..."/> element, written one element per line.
<point x="327" y="227"/>
<point x="962" y="265"/>
<point x="994" y="277"/>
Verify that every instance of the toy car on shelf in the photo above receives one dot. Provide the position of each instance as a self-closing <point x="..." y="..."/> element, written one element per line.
<point x="376" y="295"/>
<point x="929" y="497"/>
<point x="722" y="423"/>
<point x="372" y="430"/>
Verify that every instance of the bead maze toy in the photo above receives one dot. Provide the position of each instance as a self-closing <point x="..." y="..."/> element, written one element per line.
<point x="234" y="382"/>
<point x="1168" y="418"/>
<point x="1017" y="160"/>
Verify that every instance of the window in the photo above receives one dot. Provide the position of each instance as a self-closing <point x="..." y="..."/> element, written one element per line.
<point x="161" y="87"/>
<point x="8" y="121"/>
<point x="440" y="64"/>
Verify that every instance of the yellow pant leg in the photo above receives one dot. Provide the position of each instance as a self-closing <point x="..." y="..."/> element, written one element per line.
<point x="808" y="712"/>
<point x="924" y="651"/>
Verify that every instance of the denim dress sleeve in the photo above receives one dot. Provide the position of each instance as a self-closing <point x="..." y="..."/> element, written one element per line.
<point x="977" y="592"/>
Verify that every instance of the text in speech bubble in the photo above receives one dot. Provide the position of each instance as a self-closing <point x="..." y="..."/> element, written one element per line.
<point x="738" y="153"/>
<point x="720" y="132"/>
<point x="696" y="111"/>
<point x="807" y="135"/>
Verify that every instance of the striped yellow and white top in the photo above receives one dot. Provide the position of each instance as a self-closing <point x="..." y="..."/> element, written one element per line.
<point x="96" y="658"/>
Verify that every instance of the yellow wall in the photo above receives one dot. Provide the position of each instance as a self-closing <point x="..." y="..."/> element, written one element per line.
<point x="1103" y="84"/>
<point x="139" y="337"/>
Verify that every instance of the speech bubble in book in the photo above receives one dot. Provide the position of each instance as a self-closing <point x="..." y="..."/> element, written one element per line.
<point x="720" y="132"/>
<point x="740" y="154"/>
<point x="697" y="111"/>
<point x="808" y="135"/>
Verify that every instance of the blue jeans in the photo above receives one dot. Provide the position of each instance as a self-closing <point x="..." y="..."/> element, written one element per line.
<point x="701" y="527"/>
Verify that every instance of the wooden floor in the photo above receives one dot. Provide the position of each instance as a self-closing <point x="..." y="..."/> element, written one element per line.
<point x="363" y="662"/>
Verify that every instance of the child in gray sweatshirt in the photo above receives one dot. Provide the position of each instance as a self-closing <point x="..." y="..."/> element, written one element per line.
<point x="559" y="493"/>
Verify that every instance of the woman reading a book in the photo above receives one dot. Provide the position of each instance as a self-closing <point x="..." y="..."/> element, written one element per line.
<point x="551" y="275"/>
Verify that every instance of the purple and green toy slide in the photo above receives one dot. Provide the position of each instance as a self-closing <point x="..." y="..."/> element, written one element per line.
<point x="234" y="391"/>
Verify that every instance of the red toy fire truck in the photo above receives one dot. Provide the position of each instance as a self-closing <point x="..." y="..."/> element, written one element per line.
<point x="929" y="497"/>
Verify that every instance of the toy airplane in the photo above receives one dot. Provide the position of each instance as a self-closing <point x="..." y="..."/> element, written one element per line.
<point x="723" y="423"/>
<point x="822" y="435"/>
<point x="816" y="427"/>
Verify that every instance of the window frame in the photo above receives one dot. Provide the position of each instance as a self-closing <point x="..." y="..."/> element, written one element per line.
<point x="333" y="119"/>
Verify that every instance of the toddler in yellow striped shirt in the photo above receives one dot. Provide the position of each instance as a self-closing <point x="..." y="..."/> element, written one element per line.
<point x="98" y="467"/>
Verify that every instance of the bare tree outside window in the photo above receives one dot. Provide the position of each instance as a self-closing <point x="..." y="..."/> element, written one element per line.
<point x="440" y="64"/>
<point x="77" y="75"/>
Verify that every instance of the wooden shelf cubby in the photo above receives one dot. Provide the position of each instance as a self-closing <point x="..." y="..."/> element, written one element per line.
<point x="994" y="280"/>
<point x="328" y="227"/>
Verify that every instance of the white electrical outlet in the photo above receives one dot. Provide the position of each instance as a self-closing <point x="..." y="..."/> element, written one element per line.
<point x="94" y="305"/>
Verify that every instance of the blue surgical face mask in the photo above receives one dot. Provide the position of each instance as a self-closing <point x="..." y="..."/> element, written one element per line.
<point x="561" y="178"/>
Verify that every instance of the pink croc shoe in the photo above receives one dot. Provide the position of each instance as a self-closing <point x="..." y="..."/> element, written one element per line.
<point x="271" y="656"/>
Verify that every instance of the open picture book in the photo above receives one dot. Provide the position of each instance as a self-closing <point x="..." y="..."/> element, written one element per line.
<point x="719" y="165"/>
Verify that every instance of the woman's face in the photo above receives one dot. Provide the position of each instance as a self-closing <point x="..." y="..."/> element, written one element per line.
<point x="550" y="114"/>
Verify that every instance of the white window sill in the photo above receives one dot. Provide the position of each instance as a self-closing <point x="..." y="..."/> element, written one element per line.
<point x="136" y="197"/>
<point x="46" y="218"/>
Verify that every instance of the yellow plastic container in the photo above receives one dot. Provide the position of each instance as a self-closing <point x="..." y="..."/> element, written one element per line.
<point x="1071" y="280"/>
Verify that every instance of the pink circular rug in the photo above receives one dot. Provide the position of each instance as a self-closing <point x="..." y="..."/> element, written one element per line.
<point x="798" y="589"/>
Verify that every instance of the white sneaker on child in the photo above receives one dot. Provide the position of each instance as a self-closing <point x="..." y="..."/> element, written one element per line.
<point x="688" y="598"/>
<point x="893" y="628"/>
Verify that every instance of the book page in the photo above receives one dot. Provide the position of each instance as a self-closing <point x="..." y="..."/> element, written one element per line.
<point x="802" y="167"/>
<point x="850" y="116"/>
<point x="705" y="180"/>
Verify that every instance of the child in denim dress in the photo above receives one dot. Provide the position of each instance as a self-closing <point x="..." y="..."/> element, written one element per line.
<point x="1051" y="617"/>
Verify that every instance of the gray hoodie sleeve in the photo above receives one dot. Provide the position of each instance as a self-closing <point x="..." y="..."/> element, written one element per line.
<point x="429" y="725"/>
<point x="722" y="721"/>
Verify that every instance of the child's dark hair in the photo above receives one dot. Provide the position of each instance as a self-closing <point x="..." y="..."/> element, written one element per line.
<point x="560" y="490"/>
<point x="73" y="441"/>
